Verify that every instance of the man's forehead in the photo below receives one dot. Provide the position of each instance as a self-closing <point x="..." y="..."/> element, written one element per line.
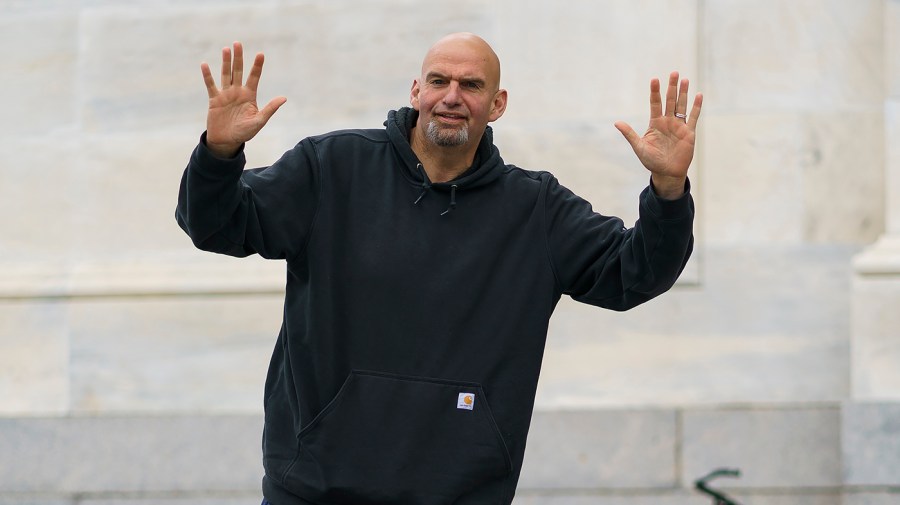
<point x="472" y="58"/>
<point x="461" y="72"/>
<point x="456" y="58"/>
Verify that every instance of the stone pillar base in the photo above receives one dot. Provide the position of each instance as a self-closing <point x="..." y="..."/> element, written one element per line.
<point x="875" y="324"/>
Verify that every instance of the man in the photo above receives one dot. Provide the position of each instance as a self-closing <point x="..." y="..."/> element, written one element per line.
<point x="421" y="275"/>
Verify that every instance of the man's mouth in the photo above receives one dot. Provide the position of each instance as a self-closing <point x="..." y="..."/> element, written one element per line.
<point x="451" y="118"/>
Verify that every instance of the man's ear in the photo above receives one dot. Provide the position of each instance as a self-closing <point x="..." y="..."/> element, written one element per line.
<point x="498" y="106"/>
<point x="414" y="94"/>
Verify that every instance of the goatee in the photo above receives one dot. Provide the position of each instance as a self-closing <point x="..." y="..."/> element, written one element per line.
<point x="446" y="138"/>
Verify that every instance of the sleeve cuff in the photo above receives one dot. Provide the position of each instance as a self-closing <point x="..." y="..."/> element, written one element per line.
<point x="212" y="165"/>
<point x="682" y="206"/>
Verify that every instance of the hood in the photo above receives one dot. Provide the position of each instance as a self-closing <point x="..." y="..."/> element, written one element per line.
<point x="486" y="168"/>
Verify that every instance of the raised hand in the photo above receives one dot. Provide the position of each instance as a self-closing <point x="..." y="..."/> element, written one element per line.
<point x="233" y="116"/>
<point x="667" y="148"/>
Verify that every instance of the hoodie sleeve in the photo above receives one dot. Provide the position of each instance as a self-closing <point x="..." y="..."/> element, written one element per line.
<point x="267" y="211"/>
<point x="598" y="261"/>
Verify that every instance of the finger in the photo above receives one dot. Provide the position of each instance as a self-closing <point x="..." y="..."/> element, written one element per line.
<point x="226" y="67"/>
<point x="671" y="93"/>
<point x="208" y="80"/>
<point x="681" y="104"/>
<point x="695" y="111"/>
<point x="271" y="108"/>
<point x="237" y="76"/>
<point x="255" y="72"/>
<point x="655" y="99"/>
<point x="628" y="132"/>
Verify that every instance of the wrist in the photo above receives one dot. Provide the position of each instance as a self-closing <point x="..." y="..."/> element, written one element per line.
<point x="666" y="187"/>
<point x="222" y="150"/>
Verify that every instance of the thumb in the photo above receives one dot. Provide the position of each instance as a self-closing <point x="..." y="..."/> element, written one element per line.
<point x="269" y="110"/>
<point x="628" y="132"/>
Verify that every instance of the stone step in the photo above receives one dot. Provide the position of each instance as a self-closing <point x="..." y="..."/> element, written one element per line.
<point x="815" y="455"/>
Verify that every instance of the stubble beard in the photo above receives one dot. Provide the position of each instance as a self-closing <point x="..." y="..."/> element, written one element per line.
<point x="444" y="137"/>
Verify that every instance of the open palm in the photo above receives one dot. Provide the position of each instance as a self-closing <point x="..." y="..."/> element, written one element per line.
<point x="234" y="117"/>
<point x="667" y="147"/>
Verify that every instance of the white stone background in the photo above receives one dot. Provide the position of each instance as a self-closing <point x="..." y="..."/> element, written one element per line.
<point x="106" y="308"/>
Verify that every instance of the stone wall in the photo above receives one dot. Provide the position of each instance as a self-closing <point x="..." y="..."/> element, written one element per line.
<point x="127" y="358"/>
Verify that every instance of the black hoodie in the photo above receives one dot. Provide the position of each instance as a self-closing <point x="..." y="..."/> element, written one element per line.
<point x="415" y="313"/>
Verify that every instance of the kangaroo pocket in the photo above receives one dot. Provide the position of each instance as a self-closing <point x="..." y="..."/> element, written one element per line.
<point x="394" y="439"/>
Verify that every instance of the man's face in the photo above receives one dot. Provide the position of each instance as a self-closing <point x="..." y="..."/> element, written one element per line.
<point x="457" y="95"/>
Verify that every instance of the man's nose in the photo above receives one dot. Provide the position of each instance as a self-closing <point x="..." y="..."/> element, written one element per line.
<point x="452" y="96"/>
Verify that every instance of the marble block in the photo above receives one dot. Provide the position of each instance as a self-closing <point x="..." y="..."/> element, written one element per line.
<point x="752" y="179"/>
<point x="871" y="498"/>
<point x="130" y="455"/>
<point x="892" y="166"/>
<point x="679" y="498"/>
<point x="231" y="498"/>
<point x="871" y="444"/>
<point x="603" y="499"/>
<point x="34" y="358"/>
<point x="804" y="54"/>
<point x="125" y="192"/>
<point x="892" y="48"/>
<point x="787" y="179"/>
<point x="774" y="449"/>
<point x="43" y="61"/>
<point x="38" y="200"/>
<point x="843" y="168"/>
<point x="26" y="499"/>
<point x="172" y="354"/>
<point x="600" y="449"/>
<point x="875" y="341"/>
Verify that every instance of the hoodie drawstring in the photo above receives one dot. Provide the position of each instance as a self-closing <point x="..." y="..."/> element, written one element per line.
<point x="426" y="184"/>
<point x="452" y="200"/>
<point x="425" y="187"/>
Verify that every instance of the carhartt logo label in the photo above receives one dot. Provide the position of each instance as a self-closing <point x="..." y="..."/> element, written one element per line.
<point x="466" y="401"/>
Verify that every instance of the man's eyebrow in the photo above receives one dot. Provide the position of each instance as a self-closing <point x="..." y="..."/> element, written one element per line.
<point x="477" y="80"/>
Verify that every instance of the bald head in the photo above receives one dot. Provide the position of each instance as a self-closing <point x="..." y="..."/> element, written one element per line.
<point x="464" y="45"/>
<point x="457" y="95"/>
